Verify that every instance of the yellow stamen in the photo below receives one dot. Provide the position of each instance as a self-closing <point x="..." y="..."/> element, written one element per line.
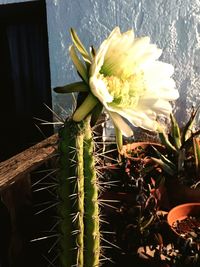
<point x="125" y="91"/>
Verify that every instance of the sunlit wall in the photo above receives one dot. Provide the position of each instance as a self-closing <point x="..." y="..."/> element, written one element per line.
<point x="174" y="25"/>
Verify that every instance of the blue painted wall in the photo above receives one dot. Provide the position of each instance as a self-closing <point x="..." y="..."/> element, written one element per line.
<point x="173" y="24"/>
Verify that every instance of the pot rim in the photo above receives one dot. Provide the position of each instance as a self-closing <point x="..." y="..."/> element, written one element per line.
<point x="170" y="215"/>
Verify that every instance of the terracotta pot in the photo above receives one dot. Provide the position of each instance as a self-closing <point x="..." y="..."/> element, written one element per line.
<point x="181" y="212"/>
<point x="144" y="145"/>
<point x="140" y="147"/>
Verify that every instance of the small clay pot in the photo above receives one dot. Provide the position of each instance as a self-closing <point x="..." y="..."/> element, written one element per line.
<point x="181" y="212"/>
<point x="128" y="149"/>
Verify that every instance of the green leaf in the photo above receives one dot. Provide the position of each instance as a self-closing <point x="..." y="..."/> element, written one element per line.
<point x="196" y="143"/>
<point x="77" y="42"/>
<point x="187" y="131"/>
<point x="189" y="142"/>
<point x="78" y="64"/>
<point x="175" y="131"/>
<point x="164" y="166"/>
<point x="164" y="159"/>
<point x="165" y="141"/>
<point x="181" y="160"/>
<point x="73" y="87"/>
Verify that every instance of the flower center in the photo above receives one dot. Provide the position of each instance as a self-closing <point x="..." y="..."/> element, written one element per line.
<point x="126" y="92"/>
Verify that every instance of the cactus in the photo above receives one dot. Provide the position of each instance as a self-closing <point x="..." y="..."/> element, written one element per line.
<point x="102" y="85"/>
<point x="78" y="194"/>
<point x="78" y="209"/>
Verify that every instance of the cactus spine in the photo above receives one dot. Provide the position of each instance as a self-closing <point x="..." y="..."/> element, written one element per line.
<point x="78" y="194"/>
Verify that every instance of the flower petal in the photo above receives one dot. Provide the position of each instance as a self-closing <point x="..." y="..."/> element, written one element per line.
<point x="99" y="89"/>
<point x="138" y="118"/>
<point x="78" y="64"/>
<point x="80" y="46"/>
<point x="130" y="82"/>
<point x="121" y="124"/>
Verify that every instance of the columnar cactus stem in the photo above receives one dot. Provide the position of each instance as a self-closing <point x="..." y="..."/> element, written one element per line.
<point x="68" y="212"/>
<point x="78" y="195"/>
<point x="92" y="235"/>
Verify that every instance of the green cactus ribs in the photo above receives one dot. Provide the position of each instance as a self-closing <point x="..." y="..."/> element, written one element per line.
<point x="79" y="243"/>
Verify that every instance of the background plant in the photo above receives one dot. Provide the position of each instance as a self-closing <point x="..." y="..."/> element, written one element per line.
<point x="137" y="205"/>
<point x="181" y="158"/>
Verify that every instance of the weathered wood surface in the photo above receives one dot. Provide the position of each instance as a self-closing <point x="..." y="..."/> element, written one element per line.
<point x="23" y="163"/>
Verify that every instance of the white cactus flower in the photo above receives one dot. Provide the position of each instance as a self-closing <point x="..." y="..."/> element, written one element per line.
<point x="127" y="78"/>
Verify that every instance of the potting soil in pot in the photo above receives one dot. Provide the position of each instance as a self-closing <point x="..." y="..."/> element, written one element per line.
<point x="189" y="227"/>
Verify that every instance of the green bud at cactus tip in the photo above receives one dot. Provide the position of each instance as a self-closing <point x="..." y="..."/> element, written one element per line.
<point x="86" y="107"/>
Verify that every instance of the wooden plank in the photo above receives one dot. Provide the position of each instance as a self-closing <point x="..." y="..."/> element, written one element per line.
<point x="23" y="163"/>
